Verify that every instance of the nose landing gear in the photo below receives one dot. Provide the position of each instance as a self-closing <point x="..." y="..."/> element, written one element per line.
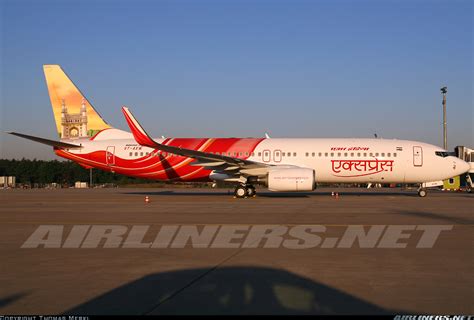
<point x="422" y="192"/>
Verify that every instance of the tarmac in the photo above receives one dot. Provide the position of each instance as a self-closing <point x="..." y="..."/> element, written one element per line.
<point x="355" y="280"/>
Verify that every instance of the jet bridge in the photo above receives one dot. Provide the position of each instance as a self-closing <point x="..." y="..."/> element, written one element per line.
<point x="466" y="154"/>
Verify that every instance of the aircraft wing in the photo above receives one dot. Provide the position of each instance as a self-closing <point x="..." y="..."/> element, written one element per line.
<point x="219" y="163"/>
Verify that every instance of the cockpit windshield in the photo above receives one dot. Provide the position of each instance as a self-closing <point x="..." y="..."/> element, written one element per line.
<point x="443" y="154"/>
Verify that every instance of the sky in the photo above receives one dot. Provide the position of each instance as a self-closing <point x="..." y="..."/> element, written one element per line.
<point x="240" y="68"/>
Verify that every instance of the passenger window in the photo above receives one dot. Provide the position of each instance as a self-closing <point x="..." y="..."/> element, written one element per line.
<point x="389" y="154"/>
<point x="394" y="154"/>
<point x="259" y="154"/>
<point x="313" y="154"/>
<point x="332" y="154"/>
<point x="383" y="154"/>
<point x="345" y="154"/>
<point x="294" y="154"/>
<point x="136" y="154"/>
<point x="131" y="154"/>
<point x="307" y="154"/>
<point x="376" y="154"/>
<point x="365" y="154"/>
<point x="326" y="154"/>
<point x="320" y="154"/>
<point x="338" y="154"/>
<point x="352" y="154"/>
<point x="288" y="154"/>
<point x="358" y="154"/>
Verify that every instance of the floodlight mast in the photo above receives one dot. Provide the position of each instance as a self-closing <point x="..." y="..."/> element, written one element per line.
<point x="444" y="91"/>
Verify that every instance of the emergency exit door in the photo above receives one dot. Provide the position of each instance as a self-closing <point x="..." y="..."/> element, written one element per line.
<point x="277" y="155"/>
<point x="266" y="155"/>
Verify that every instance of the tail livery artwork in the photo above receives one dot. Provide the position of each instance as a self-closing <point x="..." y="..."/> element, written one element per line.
<point x="279" y="164"/>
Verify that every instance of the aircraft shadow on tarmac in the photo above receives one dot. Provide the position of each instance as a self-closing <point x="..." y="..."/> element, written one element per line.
<point x="229" y="290"/>
<point x="10" y="299"/>
<point x="180" y="193"/>
<point x="268" y="194"/>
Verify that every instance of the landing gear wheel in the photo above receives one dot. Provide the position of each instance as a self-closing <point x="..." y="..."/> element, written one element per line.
<point x="251" y="192"/>
<point x="240" y="192"/>
<point x="422" y="193"/>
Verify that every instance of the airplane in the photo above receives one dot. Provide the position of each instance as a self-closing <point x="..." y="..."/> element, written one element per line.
<point x="281" y="165"/>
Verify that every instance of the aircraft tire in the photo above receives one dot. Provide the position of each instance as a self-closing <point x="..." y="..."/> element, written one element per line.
<point x="240" y="192"/>
<point x="251" y="192"/>
<point x="422" y="193"/>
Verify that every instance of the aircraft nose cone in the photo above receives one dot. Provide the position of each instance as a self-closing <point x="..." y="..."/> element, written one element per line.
<point x="466" y="166"/>
<point x="462" y="166"/>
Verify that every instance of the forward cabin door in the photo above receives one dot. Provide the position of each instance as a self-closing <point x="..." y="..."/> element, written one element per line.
<point x="417" y="156"/>
<point x="110" y="156"/>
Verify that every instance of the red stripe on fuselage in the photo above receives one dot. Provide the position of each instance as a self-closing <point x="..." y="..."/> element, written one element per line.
<point x="157" y="166"/>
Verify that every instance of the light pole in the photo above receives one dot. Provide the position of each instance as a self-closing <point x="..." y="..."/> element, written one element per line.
<point x="444" y="91"/>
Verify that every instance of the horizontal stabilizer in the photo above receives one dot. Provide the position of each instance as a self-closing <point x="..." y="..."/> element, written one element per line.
<point x="48" y="142"/>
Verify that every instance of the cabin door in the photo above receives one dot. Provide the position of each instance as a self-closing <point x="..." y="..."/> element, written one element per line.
<point x="417" y="156"/>
<point x="110" y="156"/>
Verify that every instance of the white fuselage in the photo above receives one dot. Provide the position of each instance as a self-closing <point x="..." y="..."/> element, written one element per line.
<point x="334" y="160"/>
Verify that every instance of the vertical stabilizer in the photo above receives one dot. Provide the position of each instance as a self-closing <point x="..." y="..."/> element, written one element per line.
<point x="75" y="117"/>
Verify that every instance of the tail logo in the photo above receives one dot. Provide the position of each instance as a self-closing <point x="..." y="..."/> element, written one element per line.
<point x="74" y="115"/>
<point x="73" y="125"/>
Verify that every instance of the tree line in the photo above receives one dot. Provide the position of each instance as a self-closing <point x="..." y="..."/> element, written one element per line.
<point x="63" y="172"/>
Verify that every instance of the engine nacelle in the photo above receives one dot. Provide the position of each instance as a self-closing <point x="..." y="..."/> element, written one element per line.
<point x="291" y="179"/>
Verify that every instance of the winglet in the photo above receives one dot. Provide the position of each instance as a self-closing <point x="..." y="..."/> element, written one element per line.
<point x="267" y="135"/>
<point x="138" y="132"/>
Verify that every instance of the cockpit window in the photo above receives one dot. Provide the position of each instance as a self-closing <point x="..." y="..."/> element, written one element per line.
<point x="443" y="154"/>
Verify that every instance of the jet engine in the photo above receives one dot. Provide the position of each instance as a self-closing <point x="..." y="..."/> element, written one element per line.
<point x="291" y="179"/>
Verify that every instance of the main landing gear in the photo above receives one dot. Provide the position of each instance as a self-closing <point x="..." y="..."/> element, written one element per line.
<point x="245" y="191"/>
